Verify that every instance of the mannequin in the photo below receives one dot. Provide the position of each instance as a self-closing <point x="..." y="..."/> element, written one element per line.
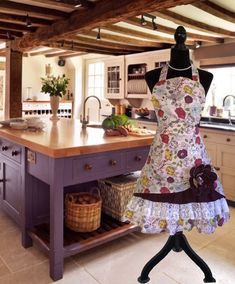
<point x="179" y="66"/>
<point x="179" y="59"/>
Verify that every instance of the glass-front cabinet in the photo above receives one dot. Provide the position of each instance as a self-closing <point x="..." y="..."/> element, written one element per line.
<point x="114" y="78"/>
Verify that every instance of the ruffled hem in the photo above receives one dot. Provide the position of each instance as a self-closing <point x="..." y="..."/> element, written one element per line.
<point x="155" y="217"/>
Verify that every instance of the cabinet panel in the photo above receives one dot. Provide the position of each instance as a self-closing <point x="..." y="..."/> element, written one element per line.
<point x="114" y="78"/>
<point x="226" y="156"/>
<point x="136" y="159"/>
<point x="212" y="152"/>
<point x="227" y="178"/>
<point x="11" y="189"/>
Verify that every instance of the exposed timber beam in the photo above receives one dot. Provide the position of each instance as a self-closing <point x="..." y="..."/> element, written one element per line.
<point x="136" y="21"/>
<point x="43" y="51"/>
<point x="16" y="27"/>
<point x="72" y="55"/>
<point x="102" y="43"/>
<point x="215" y="51"/>
<point x="215" y="10"/>
<point x="22" y="9"/>
<point x="104" y="12"/>
<point x="17" y="19"/>
<point x="53" y="4"/>
<point x="73" y="46"/>
<point x="127" y="40"/>
<point x="50" y="53"/>
<point x="196" y="25"/>
<point x="14" y="33"/>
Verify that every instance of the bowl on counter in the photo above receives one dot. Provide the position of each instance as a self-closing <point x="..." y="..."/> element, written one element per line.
<point x="142" y="112"/>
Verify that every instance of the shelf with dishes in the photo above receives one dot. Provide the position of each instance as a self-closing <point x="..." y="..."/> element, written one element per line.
<point x="43" y="108"/>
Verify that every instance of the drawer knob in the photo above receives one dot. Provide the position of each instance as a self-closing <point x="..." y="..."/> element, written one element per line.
<point x="4" y="148"/>
<point x="113" y="162"/>
<point x="217" y="168"/>
<point x="14" y="153"/>
<point x="228" y="139"/>
<point x="204" y="136"/>
<point x="88" y="167"/>
<point x="138" y="158"/>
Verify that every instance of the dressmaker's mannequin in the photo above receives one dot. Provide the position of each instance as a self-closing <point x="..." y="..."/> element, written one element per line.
<point x="179" y="59"/>
<point x="179" y="66"/>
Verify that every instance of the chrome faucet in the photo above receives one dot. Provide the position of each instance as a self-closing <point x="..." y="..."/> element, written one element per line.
<point x="225" y="98"/>
<point x="83" y="118"/>
<point x="228" y="107"/>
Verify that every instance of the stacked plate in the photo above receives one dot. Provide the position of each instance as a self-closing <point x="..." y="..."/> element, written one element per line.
<point x="34" y="122"/>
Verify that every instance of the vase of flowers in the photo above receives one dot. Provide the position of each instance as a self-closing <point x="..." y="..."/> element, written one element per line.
<point x="56" y="87"/>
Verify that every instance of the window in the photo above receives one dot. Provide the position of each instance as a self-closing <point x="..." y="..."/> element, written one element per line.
<point x="95" y="79"/>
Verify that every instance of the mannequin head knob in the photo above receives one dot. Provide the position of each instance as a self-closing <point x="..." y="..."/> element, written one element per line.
<point x="180" y="37"/>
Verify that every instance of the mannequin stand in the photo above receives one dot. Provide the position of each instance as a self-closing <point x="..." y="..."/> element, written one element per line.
<point x="177" y="243"/>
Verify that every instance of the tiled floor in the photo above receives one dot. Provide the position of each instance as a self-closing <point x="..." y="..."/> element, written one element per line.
<point x="120" y="261"/>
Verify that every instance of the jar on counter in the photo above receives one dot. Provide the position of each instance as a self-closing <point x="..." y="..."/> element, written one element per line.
<point x="120" y="109"/>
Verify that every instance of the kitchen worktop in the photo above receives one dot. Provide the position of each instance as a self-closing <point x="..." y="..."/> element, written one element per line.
<point x="66" y="137"/>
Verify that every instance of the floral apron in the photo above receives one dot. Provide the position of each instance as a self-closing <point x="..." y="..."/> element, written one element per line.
<point x="178" y="188"/>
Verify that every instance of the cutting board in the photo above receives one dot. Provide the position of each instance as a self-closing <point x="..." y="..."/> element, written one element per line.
<point x="142" y="134"/>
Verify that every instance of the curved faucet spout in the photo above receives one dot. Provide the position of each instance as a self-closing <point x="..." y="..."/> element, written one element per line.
<point x="228" y="96"/>
<point x="83" y="119"/>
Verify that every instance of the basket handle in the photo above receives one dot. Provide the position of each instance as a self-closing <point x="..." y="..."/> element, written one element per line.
<point x="95" y="191"/>
<point x="70" y="198"/>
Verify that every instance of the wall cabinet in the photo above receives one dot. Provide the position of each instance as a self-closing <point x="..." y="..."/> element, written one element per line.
<point x="114" y="78"/>
<point x="124" y="75"/>
<point x="221" y="149"/>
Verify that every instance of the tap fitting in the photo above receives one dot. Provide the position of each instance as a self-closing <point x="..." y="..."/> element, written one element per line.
<point x="83" y="118"/>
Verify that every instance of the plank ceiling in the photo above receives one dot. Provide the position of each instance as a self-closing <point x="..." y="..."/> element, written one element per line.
<point x="68" y="28"/>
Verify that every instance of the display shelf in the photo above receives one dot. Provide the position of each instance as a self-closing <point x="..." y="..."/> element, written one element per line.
<point x="43" y="108"/>
<point x="75" y="242"/>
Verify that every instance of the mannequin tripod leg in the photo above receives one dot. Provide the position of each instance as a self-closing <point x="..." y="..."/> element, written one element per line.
<point x="144" y="278"/>
<point x="196" y="258"/>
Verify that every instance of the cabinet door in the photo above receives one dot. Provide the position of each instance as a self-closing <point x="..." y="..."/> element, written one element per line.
<point x="226" y="163"/>
<point x="114" y="79"/>
<point x="11" y="188"/>
<point x="212" y="152"/>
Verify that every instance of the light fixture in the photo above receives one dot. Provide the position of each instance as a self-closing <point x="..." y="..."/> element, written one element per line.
<point x="143" y="21"/>
<point x="154" y="24"/>
<point x="197" y="44"/>
<point x="48" y="70"/>
<point x="77" y="4"/>
<point x="98" y="37"/>
<point x="9" y="35"/>
<point x="28" y="21"/>
<point x="62" y="44"/>
<point x="72" y="46"/>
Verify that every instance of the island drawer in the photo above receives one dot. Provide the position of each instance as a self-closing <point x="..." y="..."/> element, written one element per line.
<point x="11" y="150"/>
<point x="90" y="167"/>
<point x="135" y="159"/>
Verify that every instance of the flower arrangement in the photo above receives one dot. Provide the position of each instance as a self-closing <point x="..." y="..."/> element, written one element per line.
<point x="55" y="86"/>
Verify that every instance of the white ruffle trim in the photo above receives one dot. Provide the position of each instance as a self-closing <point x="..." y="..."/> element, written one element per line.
<point x="155" y="217"/>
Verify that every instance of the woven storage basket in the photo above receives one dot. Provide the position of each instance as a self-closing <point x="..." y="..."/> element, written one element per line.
<point x="83" y="211"/>
<point x="116" y="192"/>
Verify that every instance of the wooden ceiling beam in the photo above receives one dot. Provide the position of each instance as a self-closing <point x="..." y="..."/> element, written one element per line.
<point x="55" y="54"/>
<point x="72" y="55"/>
<point x="136" y="22"/>
<point x="215" y="10"/>
<point x="14" y="33"/>
<point x="67" y="45"/>
<point x="16" y="27"/>
<point x="102" y="43"/>
<point x="104" y="12"/>
<point x="127" y="40"/>
<point x="53" y="4"/>
<point x="17" y="19"/>
<point x="43" y="52"/>
<point x="140" y="34"/>
<point x="35" y="11"/>
<point x="196" y="25"/>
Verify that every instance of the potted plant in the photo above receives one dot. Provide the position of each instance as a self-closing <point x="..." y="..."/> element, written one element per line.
<point x="56" y="87"/>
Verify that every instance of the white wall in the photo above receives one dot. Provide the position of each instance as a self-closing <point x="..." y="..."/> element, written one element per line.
<point x="34" y="69"/>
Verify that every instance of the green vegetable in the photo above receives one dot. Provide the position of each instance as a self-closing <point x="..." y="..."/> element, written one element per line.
<point x="108" y="123"/>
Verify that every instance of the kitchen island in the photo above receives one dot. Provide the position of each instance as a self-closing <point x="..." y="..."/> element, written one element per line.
<point x="38" y="168"/>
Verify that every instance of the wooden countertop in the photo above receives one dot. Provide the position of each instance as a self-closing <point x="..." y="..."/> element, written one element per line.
<point x="66" y="138"/>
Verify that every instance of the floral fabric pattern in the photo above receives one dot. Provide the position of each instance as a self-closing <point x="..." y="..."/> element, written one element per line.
<point x="177" y="160"/>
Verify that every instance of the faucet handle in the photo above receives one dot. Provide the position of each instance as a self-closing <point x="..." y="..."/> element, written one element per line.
<point x="81" y="118"/>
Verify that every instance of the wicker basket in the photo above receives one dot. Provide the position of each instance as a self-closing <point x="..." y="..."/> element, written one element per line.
<point x="116" y="192"/>
<point x="83" y="211"/>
